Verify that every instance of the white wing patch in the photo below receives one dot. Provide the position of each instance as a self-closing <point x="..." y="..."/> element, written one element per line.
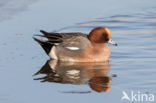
<point x="73" y="48"/>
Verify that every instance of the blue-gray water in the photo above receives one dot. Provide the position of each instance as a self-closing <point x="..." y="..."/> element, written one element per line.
<point x="131" y="67"/>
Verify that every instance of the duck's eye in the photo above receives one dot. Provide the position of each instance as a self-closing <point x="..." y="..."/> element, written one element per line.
<point x="107" y="39"/>
<point x="105" y="36"/>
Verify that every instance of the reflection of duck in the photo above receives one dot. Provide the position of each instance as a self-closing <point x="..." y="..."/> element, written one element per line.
<point x="77" y="73"/>
<point x="100" y="84"/>
<point x="78" y="47"/>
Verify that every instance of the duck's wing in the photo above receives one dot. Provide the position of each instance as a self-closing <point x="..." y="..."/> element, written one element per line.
<point x="65" y="39"/>
<point x="71" y="41"/>
<point x="52" y="38"/>
<point x="58" y="36"/>
<point x="61" y="34"/>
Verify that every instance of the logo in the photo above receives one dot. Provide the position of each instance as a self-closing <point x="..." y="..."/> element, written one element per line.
<point x="137" y="96"/>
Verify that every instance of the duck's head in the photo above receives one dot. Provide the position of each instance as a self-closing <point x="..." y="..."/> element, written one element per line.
<point x="101" y="35"/>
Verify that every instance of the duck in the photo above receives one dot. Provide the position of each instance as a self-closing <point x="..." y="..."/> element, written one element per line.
<point x="77" y="46"/>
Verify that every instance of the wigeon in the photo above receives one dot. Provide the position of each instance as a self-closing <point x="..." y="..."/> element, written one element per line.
<point x="76" y="46"/>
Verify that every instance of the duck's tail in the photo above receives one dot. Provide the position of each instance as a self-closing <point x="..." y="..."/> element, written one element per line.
<point x="44" y="44"/>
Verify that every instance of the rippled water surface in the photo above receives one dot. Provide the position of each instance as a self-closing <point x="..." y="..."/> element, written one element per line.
<point x="28" y="76"/>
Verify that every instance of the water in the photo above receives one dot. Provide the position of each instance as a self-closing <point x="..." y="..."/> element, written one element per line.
<point x="131" y="66"/>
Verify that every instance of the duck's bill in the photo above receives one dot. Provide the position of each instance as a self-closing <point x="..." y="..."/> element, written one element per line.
<point x="112" y="42"/>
